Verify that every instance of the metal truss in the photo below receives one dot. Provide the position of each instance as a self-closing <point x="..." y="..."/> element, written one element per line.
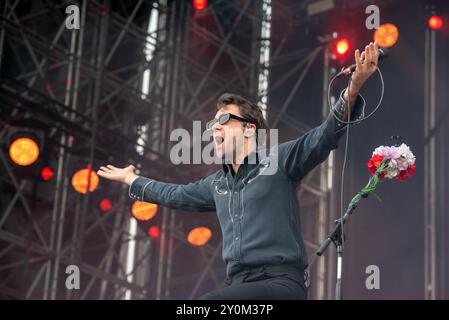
<point x="436" y="126"/>
<point x="85" y="86"/>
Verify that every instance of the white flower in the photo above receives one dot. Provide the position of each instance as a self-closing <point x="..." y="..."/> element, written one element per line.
<point x="407" y="154"/>
<point x="391" y="173"/>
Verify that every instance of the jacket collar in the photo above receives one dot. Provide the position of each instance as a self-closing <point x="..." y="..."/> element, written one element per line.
<point x="250" y="161"/>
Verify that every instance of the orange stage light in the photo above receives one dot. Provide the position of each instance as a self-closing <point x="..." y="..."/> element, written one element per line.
<point x="24" y="151"/>
<point x="143" y="211"/>
<point x="199" y="236"/>
<point x="387" y="35"/>
<point x="79" y="181"/>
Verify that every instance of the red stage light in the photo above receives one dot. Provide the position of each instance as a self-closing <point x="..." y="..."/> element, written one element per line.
<point x="342" y="46"/>
<point x="199" y="4"/>
<point x="105" y="205"/>
<point x="47" y="173"/>
<point x="435" y="22"/>
<point x="154" y="232"/>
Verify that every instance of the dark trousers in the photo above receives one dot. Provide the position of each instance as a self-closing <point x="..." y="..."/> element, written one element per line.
<point x="264" y="283"/>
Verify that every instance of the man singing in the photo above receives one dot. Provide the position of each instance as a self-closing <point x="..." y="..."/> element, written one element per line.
<point x="258" y="213"/>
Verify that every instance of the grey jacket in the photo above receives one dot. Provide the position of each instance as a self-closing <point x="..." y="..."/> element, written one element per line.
<point x="258" y="213"/>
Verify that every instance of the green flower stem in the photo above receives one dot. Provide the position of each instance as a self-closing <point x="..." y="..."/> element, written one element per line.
<point x="372" y="183"/>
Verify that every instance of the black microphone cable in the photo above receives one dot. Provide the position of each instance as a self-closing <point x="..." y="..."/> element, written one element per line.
<point x="347" y="123"/>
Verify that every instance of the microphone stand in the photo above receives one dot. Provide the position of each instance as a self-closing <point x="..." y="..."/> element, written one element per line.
<point x="337" y="237"/>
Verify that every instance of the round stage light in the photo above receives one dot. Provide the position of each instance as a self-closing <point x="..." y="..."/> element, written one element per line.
<point x="387" y="35"/>
<point x="342" y="46"/>
<point x="199" y="4"/>
<point x="47" y="173"/>
<point x="435" y="22"/>
<point x="199" y="236"/>
<point x="143" y="211"/>
<point x="154" y="231"/>
<point x="105" y="205"/>
<point x="79" y="181"/>
<point x="24" y="151"/>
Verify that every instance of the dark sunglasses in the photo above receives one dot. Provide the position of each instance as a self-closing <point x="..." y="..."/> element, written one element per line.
<point x="224" y="118"/>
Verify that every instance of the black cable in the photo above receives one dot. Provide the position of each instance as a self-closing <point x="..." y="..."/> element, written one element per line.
<point x="342" y="178"/>
<point x="347" y="137"/>
<point x="363" y="118"/>
<point x="348" y="122"/>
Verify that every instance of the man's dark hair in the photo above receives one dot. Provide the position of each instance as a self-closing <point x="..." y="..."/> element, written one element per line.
<point x="248" y="109"/>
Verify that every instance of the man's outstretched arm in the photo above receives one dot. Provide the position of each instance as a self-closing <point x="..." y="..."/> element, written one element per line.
<point x="195" y="196"/>
<point x="297" y="157"/>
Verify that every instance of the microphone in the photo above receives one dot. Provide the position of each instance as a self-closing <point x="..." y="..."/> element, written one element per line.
<point x="383" y="54"/>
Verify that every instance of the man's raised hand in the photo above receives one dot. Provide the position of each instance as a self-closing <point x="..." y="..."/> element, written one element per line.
<point x="366" y="64"/>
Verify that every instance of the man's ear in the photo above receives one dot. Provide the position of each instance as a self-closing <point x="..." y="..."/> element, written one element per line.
<point x="249" y="130"/>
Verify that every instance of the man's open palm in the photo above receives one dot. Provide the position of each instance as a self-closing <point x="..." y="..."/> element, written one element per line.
<point x="124" y="175"/>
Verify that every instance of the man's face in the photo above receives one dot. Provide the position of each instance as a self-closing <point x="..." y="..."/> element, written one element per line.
<point x="225" y="145"/>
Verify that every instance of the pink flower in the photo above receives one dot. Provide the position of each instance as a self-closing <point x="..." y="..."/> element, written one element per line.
<point x="391" y="153"/>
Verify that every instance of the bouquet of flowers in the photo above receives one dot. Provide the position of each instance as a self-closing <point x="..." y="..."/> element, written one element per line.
<point x="396" y="162"/>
